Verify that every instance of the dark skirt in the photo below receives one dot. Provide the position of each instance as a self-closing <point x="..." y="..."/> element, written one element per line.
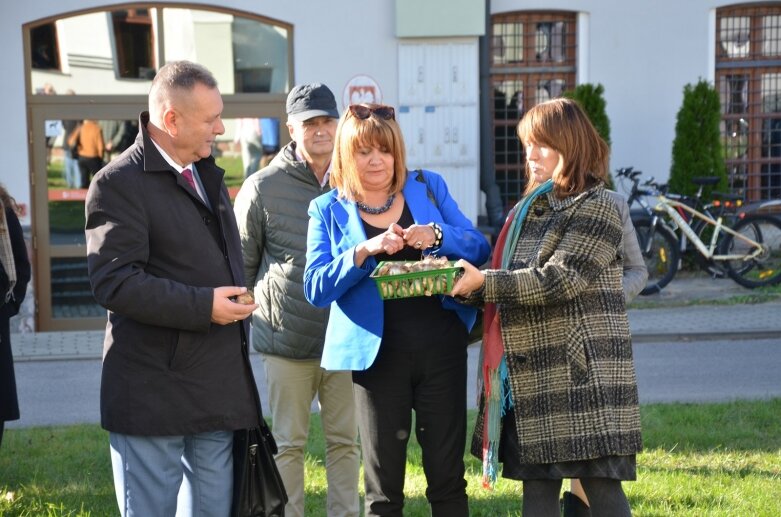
<point x="622" y="468"/>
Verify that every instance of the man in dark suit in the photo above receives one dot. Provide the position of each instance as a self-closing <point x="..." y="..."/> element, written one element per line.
<point x="164" y="258"/>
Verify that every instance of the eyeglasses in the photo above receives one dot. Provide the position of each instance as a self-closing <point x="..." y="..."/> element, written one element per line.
<point x="362" y="112"/>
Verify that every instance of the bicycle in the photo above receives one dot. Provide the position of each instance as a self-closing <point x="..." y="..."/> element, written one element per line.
<point x="747" y="246"/>
<point x="644" y="216"/>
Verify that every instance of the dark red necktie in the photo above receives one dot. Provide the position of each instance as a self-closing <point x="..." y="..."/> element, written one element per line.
<point x="188" y="175"/>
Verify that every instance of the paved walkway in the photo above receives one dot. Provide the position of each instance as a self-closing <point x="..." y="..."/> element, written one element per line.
<point x="660" y="318"/>
<point x="703" y="322"/>
<point x="682" y="354"/>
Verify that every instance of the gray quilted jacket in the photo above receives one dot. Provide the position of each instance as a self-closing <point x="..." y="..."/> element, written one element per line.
<point x="271" y="211"/>
<point x="635" y="272"/>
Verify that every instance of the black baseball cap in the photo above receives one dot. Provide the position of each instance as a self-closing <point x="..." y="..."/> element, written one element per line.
<point x="307" y="101"/>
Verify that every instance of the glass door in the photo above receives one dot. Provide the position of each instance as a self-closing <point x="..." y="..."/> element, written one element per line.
<point x="61" y="175"/>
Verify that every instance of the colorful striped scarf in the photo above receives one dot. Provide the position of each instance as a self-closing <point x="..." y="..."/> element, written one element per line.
<point x="496" y="388"/>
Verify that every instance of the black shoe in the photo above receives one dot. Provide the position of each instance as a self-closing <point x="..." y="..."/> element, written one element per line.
<point x="573" y="506"/>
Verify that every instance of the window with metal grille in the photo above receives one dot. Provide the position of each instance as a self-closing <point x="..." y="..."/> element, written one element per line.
<point x="532" y="60"/>
<point x="748" y="77"/>
<point x="45" y="50"/>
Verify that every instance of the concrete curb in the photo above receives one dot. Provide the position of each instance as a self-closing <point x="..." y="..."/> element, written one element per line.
<point x="61" y="357"/>
<point x="704" y="336"/>
<point x="21" y="356"/>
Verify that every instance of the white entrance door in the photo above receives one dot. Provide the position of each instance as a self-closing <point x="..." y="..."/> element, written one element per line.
<point x="439" y="113"/>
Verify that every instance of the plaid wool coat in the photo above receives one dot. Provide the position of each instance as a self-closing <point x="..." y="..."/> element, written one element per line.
<point x="566" y="333"/>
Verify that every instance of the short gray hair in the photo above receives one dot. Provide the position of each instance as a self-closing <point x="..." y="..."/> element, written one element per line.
<point x="183" y="75"/>
<point x="178" y="75"/>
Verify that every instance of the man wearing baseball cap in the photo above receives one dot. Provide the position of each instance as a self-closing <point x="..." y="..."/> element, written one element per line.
<point x="271" y="210"/>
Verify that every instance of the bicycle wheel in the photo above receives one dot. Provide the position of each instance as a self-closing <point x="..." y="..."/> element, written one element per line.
<point x="751" y="230"/>
<point x="764" y="268"/>
<point x="659" y="246"/>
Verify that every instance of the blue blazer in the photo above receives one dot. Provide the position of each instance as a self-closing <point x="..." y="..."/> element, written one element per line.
<point x="355" y="325"/>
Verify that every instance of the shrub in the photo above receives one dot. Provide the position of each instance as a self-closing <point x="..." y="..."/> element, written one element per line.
<point x="697" y="145"/>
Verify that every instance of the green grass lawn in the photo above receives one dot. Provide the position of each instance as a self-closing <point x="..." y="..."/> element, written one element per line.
<point x="234" y="170"/>
<point x="710" y="459"/>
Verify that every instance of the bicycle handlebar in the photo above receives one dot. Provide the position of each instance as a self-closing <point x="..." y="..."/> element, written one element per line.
<point x="651" y="188"/>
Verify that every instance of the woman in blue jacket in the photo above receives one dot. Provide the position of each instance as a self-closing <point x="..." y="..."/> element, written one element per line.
<point x="406" y="354"/>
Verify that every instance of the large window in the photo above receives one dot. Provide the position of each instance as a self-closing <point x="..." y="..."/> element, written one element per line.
<point x="748" y="76"/>
<point x="44" y="49"/>
<point x="119" y="51"/>
<point x="532" y="60"/>
<point x="133" y="43"/>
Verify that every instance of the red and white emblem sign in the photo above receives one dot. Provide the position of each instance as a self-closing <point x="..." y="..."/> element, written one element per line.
<point x="361" y="89"/>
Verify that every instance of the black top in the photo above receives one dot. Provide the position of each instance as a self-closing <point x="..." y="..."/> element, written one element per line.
<point x="9" y="403"/>
<point x="412" y="320"/>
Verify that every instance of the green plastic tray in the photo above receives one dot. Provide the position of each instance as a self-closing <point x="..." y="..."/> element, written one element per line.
<point x="420" y="283"/>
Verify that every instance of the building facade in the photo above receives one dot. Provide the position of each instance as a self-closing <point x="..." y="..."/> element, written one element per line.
<point x="459" y="72"/>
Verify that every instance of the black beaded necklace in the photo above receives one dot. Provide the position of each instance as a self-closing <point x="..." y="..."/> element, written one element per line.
<point x="374" y="210"/>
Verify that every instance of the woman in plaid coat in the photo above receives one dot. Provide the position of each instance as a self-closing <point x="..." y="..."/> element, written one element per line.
<point x="559" y="396"/>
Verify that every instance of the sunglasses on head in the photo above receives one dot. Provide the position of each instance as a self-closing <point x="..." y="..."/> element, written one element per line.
<point x="362" y="112"/>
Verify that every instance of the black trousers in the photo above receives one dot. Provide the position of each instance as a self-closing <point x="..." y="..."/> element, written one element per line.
<point x="87" y="168"/>
<point x="430" y="378"/>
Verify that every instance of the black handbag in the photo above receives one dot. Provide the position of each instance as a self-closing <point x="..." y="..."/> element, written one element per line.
<point x="258" y="490"/>
<point x="74" y="150"/>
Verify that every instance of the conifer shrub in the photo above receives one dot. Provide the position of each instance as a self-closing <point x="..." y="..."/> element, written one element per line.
<point x="697" y="149"/>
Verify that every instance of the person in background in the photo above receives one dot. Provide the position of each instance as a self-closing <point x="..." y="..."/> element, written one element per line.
<point x="71" y="172"/>
<point x="14" y="276"/>
<point x="405" y="354"/>
<point x="164" y="258"/>
<point x="289" y="332"/>
<point x="87" y="139"/>
<point x="248" y="137"/>
<point x="635" y="272"/>
<point x="116" y="137"/>
<point x="52" y="128"/>
<point x="559" y="387"/>
<point x="269" y="137"/>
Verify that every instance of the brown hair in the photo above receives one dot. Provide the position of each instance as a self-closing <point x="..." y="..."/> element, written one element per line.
<point x="561" y="125"/>
<point x="7" y="202"/>
<point x="352" y="134"/>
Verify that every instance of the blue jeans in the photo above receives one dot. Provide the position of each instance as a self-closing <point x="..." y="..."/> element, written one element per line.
<point x="71" y="172"/>
<point x="169" y="476"/>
